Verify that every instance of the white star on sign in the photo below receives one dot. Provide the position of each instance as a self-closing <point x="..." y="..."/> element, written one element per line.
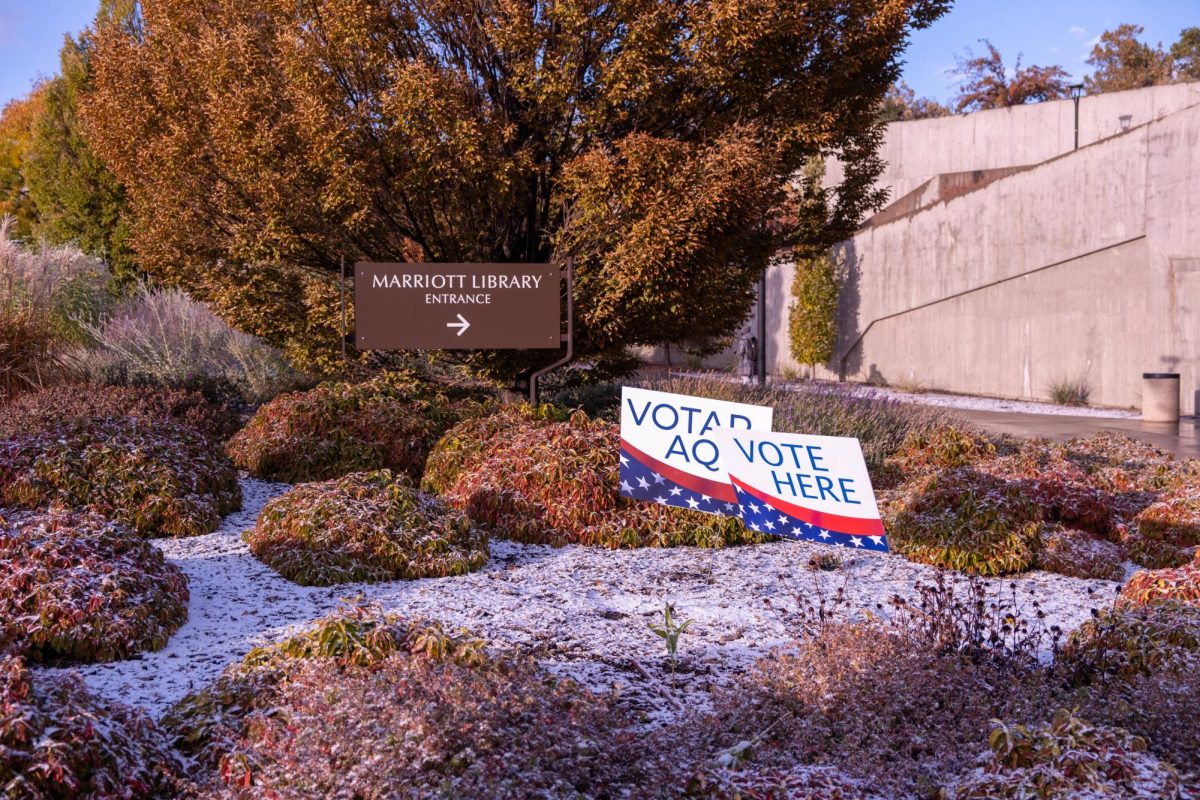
<point x="857" y="542"/>
<point x="770" y="525"/>
<point x="876" y="539"/>
<point x="824" y="534"/>
<point x="643" y="483"/>
<point x="658" y="478"/>
<point x="705" y="498"/>
<point x="798" y="530"/>
<point x="624" y="461"/>
<point x="676" y="491"/>
<point x="729" y="506"/>
<point x="783" y="520"/>
<point x="691" y="501"/>
<point x="625" y="487"/>
<point x="662" y="501"/>
<point x="754" y="508"/>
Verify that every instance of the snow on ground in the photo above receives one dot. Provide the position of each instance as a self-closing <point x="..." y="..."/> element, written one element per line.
<point x="583" y="611"/>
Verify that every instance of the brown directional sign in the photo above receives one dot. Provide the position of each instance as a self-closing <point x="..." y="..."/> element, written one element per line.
<point x="456" y="306"/>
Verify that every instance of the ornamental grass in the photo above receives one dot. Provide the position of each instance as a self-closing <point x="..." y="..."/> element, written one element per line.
<point x="156" y="476"/>
<point x="366" y="526"/>
<point x="75" y="586"/>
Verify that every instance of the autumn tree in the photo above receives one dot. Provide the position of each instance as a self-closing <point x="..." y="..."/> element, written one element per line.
<point x="78" y="199"/>
<point x="16" y="132"/>
<point x="984" y="82"/>
<point x="1185" y="55"/>
<point x="1122" y="61"/>
<point x="654" y="141"/>
<point x="901" y="104"/>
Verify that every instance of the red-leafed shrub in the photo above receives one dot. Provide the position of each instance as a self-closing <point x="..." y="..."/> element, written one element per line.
<point x="57" y="740"/>
<point x="154" y="475"/>
<point x="1159" y="585"/>
<point x="1079" y="554"/>
<point x="557" y="483"/>
<point x="1175" y="519"/>
<point x="467" y="444"/>
<point x="35" y="412"/>
<point x="366" y="526"/>
<point x="76" y="586"/>
<point x="374" y="706"/>
<point x="1123" y="643"/>
<point x="969" y="521"/>
<point x="1154" y="553"/>
<point x="941" y="448"/>
<point x="1068" y="757"/>
<point x="882" y="705"/>
<point x="389" y="422"/>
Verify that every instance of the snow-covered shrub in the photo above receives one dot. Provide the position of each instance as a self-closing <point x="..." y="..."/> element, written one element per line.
<point x="154" y="475"/>
<point x="1123" y="643"/>
<point x="1068" y="757"/>
<point x="557" y="483"/>
<point x="941" y="448"/>
<point x="57" y="740"/>
<point x="1174" y="519"/>
<point x="1059" y="487"/>
<point x="38" y="411"/>
<point x="389" y="422"/>
<point x="365" y="526"/>
<point x="464" y="446"/>
<point x="75" y="586"/>
<point x="1159" y="585"/>
<point x="1079" y="554"/>
<point x="969" y="521"/>
<point x="1152" y="553"/>
<point x="378" y="706"/>
<point x="794" y="782"/>
<point x="883" y="704"/>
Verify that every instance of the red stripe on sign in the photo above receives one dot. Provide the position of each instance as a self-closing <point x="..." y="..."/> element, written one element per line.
<point x="717" y="489"/>
<point x="855" y="526"/>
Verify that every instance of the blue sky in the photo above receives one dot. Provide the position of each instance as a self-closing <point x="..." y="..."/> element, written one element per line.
<point x="1046" y="31"/>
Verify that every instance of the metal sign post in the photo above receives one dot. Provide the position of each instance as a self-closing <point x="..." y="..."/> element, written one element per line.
<point x="568" y="337"/>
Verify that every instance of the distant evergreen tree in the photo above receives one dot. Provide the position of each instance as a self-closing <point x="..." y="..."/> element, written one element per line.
<point x="1186" y="55"/>
<point x="812" y="323"/>
<point x="77" y="199"/>
<point x="1122" y="61"/>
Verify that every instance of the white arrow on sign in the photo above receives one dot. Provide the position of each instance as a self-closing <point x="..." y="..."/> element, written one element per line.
<point x="462" y="325"/>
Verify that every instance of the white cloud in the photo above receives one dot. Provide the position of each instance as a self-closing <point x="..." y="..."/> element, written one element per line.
<point x="1077" y="31"/>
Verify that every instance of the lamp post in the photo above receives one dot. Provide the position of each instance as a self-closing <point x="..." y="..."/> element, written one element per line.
<point x="1076" y="94"/>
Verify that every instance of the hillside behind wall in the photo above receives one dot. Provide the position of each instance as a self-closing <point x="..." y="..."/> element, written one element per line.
<point x="1084" y="266"/>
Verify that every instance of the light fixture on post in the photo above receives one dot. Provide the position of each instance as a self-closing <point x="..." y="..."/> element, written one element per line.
<point x="1076" y="94"/>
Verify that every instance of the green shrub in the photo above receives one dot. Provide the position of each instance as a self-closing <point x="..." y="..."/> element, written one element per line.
<point x="812" y="322"/>
<point x="366" y="526"/>
<point x="1068" y="758"/>
<point x="1124" y="643"/>
<point x="76" y="586"/>
<point x="557" y="483"/>
<point x="39" y="411"/>
<point x="1079" y="554"/>
<point x="389" y="422"/>
<point x="969" y="521"/>
<point x="1070" y="392"/>
<point x="1161" y="585"/>
<point x="154" y="475"/>
<point x="57" y="740"/>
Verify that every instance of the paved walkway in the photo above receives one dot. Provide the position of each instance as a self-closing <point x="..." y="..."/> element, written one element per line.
<point x="1182" y="439"/>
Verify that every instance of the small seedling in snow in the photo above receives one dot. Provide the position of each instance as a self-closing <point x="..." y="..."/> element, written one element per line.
<point x="670" y="631"/>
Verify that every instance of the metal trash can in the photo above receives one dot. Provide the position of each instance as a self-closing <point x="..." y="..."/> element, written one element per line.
<point x="1160" y="396"/>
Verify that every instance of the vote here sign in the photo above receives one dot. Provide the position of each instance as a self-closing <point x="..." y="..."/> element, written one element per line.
<point x="814" y="488"/>
<point x="670" y="453"/>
